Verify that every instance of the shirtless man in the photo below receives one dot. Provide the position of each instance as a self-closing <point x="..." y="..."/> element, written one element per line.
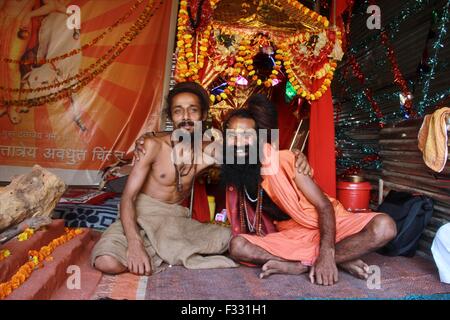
<point x="153" y="227"/>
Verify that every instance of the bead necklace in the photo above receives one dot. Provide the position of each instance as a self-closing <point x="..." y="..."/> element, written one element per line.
<point x="256" y="226"/>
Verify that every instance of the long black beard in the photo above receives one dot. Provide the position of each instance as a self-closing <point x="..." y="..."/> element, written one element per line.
<point x="242" y="175"/>
<point x="249" y="176"/>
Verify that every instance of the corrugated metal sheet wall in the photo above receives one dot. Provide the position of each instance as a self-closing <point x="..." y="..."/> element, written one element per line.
<point x="402" y="167"/>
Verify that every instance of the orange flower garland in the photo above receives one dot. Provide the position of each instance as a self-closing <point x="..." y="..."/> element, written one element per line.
<point x="36" y="259"/>
<point x="327" y="70"/>
<point x="317" y="47"/>
<point x="299" y="86"/>
<point x="242" y="66"/>
<point x="25" y="235"/>
<point x="189" y="63"/>
<point x="305" y="11"/>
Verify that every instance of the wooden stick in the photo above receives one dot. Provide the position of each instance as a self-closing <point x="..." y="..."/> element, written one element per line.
<point x="380" y="191"/>
<point x="304" y="142"/>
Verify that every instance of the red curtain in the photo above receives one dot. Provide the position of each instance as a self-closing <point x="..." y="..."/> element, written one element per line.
<point x="341" y="6"/>
<point x="200" y="207"/>
<point x="287" y="122"/>
<point x="321" y="153"/>
<point x="321" y="148"/>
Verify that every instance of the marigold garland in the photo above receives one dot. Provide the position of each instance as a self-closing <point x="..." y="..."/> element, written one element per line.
<point x="200" y="58"/>
<point x="327" y="72"/>
<point x="243" y="66"/>
<point x="36" y="259"/>
<point x="306" y="12"/>
<point x="27" y="234"/>
<point x="190" y="62"/>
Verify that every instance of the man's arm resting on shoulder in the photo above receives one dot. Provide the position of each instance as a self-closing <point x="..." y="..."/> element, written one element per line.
<point x="134" y="185"/>
<point x="139" y="150"/>
<point x="325" y="269"/>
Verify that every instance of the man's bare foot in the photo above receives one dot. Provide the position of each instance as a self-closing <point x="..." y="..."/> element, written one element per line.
<point x="285" y="267"/>
<point x="357" y="268"/>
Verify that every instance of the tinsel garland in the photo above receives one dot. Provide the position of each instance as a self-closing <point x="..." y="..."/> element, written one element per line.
<point x="398" y="76"/>
<point x="356" y="68"/>
<point x="353" y="166"/>
<point x="409" y="9"/>
<point x="357" y="72"/>
<point x="348" y="22"/>
<point x="359" y="97"/>
<point x="433" y="61"/>
<point x="359" y="102"/>
<point x="371" y="157"/>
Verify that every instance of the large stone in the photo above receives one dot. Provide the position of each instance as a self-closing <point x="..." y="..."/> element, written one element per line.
<point x="33" y="194"/>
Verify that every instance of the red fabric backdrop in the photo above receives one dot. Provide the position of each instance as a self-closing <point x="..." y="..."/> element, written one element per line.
<point x="321" y="153"/>
<point x="321" y="148"/>
<point x="287" y="122"/>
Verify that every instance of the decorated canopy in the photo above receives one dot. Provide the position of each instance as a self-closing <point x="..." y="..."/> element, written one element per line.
<point x="234" y="48"/>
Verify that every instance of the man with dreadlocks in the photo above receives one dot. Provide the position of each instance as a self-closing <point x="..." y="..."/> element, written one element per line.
<point x="280" y="219"/>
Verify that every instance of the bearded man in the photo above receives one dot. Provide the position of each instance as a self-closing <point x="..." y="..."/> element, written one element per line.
<point x="280" y="218"/>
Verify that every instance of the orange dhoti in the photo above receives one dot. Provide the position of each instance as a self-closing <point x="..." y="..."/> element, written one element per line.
<point x="298" y="239"/>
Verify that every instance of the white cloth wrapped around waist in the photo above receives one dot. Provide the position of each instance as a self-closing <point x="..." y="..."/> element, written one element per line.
<point x="441" y="252"/>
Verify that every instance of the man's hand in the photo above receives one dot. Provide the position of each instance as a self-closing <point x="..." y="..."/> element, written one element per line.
<point x="324" y="271"/>
<point x="301" y="163"/>
<point x="139" y="150"/>
<point x="138" y="260"/>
